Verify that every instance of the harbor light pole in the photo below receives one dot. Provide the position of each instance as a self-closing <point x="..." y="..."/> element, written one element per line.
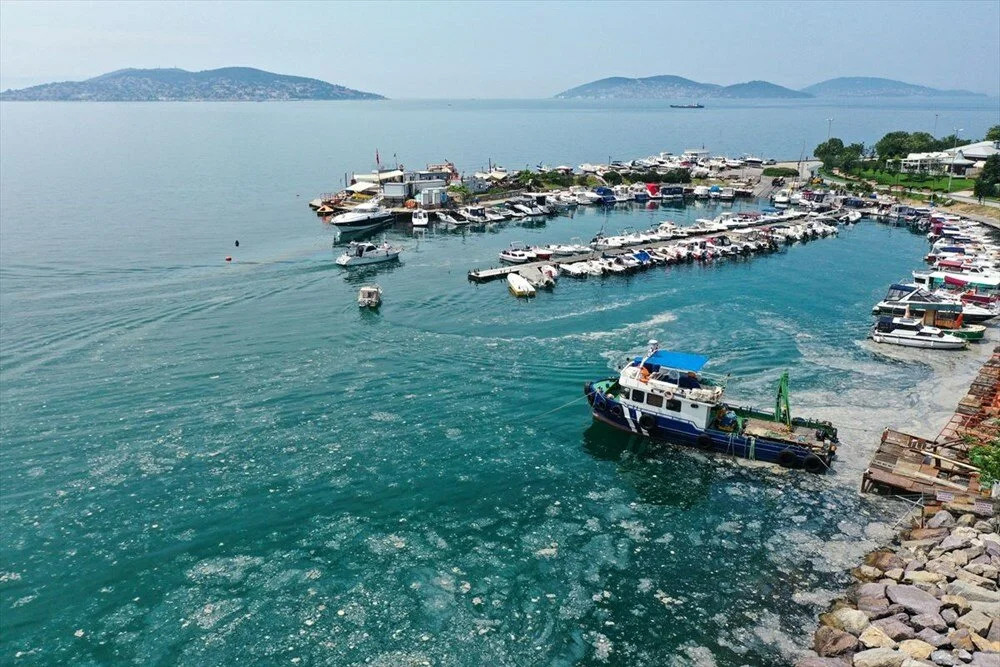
<point x="829" y="128"/>
<point x="935" y="124"/>
<point x="954" y="151"/>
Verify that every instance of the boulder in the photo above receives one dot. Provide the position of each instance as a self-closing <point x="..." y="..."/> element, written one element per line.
<point x="847" y="619"/>
<point x="949" y="616"/>
<point x="941" y="519"/>
<point x="867" y="573"/>
<point x="968" y="591"/>
<point x="962" y="654"/>
<point x="913" y="662"/>
<point x="975" y="621"/>
<point x="984" y="660"/>
<point x="959" y="539"/>
<point x="983" y="570"/>
<point x="895" y="628"/>
<point x="870" y="591"/>
<point x="874" y="607"/>
<point x="829" y="641"/>
<point x="928" y="533"/>
<point x="875" y="637"/>
<point x="932" y="621"/>
<point x="923" y="577"/>
<point x="994" y="633"/>
<point x="943" y="566"/>
<point x="879" y="657"/>
<point x="961" y="639"/>
<point x="966" y="520"/>
<point x="983" y="527"/>
<point x="944" y="658"/>
<point x="933" y="638"/>
<point x="895" y="573"/>
<point x="975" y="579"/>
<point x="885" y="560"/>
<point x="959" y="558"/>
<point x="985" y="645"/>
<point x="915" y="648"/>
<point x="956" y="602"/>
<point x="913" y="599"/>
<point x="821" y="662"/>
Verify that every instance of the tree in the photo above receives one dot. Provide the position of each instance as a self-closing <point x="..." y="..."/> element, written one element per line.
<point x="988" y="183"/>
<point x="893" y="144"/>
<point x="829" y="152"/>
<point x="613" y="178"/>
<point x="850" y="155"/>
<point x="993" y="134"/>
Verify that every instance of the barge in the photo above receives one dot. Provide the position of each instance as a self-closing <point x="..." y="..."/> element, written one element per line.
<point x="664" y="396"/>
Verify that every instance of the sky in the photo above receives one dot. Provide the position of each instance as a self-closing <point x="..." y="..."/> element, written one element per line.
<point x="513" y="49"/>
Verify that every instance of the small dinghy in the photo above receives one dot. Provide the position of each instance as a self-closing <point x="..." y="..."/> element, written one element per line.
<point x="370" y="296"/>
<point x="910" y="332"/>
<point x="537" y="279"/>
<point x="575" y="270"/>
<point x="419" y="218"/>
<point x="518" y="286"/>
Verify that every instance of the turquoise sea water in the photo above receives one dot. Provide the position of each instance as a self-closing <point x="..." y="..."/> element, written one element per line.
<point x="205" y="463"/>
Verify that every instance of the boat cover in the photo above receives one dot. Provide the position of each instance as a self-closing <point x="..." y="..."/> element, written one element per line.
<point x="681" y="361"/>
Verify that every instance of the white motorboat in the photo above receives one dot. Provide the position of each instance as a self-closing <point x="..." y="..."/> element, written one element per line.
<point x="370" y="296"/>
<point x="419" y="218"/>
<point x="518" y="286"/>
<point x="701" y="192"/>
<point x="537" y="279"/>
<point x="494" y="215"/>
<point x="359" y="253"/>
<point x="782" y="198"/>
<point x="727" y="194"/>
<point x="362" y="216"/>
<point x="447" y="218"/>
<point x="517" y="253"/>
<point x="475" y="214"/>
<point x="566" y="249"/>
<point x="910" y="332"/>
<point x="575" y="270"/>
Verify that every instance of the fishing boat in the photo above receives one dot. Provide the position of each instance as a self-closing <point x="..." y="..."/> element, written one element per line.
<point x="370" y="296"/>
<point x="359" y="253"/>
<point x="518" y="286"/>
<point x="910" y="332"/>
<point x="363" y="216"/>
<point x="419" y="218"/>
<point x="664" y="396"/>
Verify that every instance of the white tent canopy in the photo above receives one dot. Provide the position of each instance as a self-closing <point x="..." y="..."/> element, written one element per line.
<point x="362" y="187"/>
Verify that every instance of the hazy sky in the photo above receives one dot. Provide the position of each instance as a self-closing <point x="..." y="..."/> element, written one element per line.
<point x="510" y="49"/>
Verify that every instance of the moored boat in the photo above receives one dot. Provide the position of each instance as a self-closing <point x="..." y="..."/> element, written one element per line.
<point x="909" y="332"/>
<point x="419" y="218"/>
<point x="665" y="396"/>
<point x="370" y="296"/>
<point x="363" y="216"/>
<point x="518" y="286"/>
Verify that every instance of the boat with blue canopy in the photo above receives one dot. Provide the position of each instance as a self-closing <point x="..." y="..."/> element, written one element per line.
<point x="665" y="396"/>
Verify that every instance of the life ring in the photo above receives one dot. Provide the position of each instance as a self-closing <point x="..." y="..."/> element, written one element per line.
<point x="704" y="441"/>
<point x="814" y="464"/>
<point x="788" y="459"/>
<point x="647" y="422"/>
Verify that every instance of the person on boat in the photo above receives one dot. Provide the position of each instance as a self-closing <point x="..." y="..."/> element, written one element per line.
<point x="689" y="381"/>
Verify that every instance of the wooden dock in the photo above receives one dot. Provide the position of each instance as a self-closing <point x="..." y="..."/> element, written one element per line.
<point x="495" y="273"/>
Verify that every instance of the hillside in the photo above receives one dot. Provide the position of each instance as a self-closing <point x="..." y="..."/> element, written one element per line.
<point x="675" y="87"/>
<point x="867" y="86"/>
<point x="174" y="85"/>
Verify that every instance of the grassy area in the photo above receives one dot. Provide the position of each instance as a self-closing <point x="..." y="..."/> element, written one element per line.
<point x="921" y="181"/>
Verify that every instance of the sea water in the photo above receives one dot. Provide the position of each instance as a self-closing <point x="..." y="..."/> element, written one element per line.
<point x="207" y="462"/>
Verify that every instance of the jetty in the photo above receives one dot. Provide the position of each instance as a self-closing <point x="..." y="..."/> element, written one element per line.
<point x="495" y="273"/>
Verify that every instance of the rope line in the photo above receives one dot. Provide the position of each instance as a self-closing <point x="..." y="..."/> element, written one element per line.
<point x="564" y="405"/>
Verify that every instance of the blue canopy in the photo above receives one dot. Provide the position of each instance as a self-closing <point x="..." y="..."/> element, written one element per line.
<point x="679" y="360"/>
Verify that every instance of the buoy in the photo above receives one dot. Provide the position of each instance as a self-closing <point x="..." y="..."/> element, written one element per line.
<point x="228" y="258"/>
<point x="237" y="243"/>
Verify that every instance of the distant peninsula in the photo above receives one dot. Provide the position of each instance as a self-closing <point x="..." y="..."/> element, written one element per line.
<point x="228" y="84"/>
<point x="675" y="87"/>
<point x="669" y="87"/>
<point x="869" y="86"/>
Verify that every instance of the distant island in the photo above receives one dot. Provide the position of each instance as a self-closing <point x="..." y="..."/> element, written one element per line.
<point x="869" y="86"/>
<point x="675" y="87"/>
<point x="228" y="84"/>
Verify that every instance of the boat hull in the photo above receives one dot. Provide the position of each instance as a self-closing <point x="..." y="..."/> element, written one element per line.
<point x="925" y="343"/>
<point x="347" y="261"/>
<point x="660" y="428"/>
<point x="900" y="311"/>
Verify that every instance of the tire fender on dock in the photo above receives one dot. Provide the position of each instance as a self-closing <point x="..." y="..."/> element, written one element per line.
<point x="788" y="459"/>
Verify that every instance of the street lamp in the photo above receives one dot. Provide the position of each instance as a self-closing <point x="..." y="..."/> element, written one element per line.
<point x="954" y="151"/>
<point x="935" y="124"/>
<point x="829" y="128"/>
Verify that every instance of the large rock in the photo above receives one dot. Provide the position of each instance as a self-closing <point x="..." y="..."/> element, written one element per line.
<point x="876" y="637"/>
<point x="829" y="641"/>
<point x="895" y="628"/>
<point x="928" y="533"/>
<point x="959" y="539"/>
<point x="821" y="662"/>
<point x="932" y="621"/>
<point x="874" y="607"/>
<point x="879" y="657"/>
<point x="848" y="620"/>
<point x="983" y="660"/>
<point x="949" y="616"/>
<point x="942" y="518"/>
<point x="915" y="648"/>
<point x="885" y="560"/>
<point x="968" y="591"/>
<point x="913" y="599"/>
<point x="870" y="591"/>
<point x="956" y="602"/>
<point x="975" y="580"/>
<point x="961" y="639"/>
<point x="985" y="645"/>
<point x="923" y="577"/>
<point x="975" y="621"/>
<point x="994" y="634"/>
<point x="933" y="638"/>
<point x="945" y="658"/>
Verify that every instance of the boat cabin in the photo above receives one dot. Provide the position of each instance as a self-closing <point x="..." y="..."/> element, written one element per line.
<point x="360" y="248"/>
<point x="669" y="383"/>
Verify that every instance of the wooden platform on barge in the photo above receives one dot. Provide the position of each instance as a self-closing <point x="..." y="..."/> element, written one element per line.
<point x="940" y="469"/>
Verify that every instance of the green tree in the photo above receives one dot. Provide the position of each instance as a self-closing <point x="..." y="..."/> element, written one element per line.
<point x="987" y="459"/>
<point x="829" y="152"/>
<point x="893" y="144"/>
<point x="613" y="178"/>
<point x="850" y="156"/>
<point x="988" y="183"/>
<point x="921" y="142"/>
<point x="993" y="134"/>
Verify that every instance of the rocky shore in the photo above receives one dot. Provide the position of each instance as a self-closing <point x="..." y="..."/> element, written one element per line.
<point x="930" y="599"/>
